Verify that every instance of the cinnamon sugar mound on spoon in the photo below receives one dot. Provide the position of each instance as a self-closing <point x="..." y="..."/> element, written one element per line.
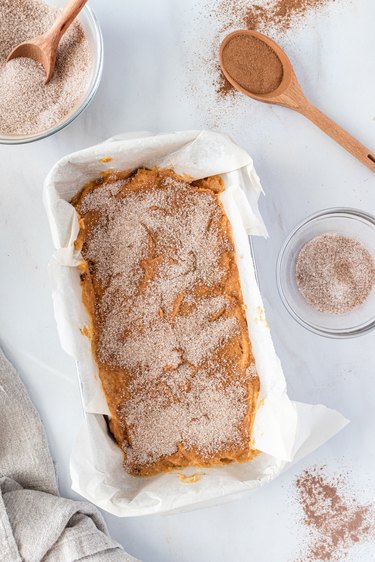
<point x="252" y="64"/>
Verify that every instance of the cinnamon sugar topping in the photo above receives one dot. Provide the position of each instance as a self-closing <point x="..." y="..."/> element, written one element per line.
<point x="169" y="314"/>
<point x="208" y="418"/>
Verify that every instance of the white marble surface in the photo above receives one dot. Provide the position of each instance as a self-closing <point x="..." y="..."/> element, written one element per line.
<point x="148" y="84"/>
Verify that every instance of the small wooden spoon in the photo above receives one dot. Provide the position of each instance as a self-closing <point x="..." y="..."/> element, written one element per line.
<point x="43" y="49"/>
<point x="289" y="94"/>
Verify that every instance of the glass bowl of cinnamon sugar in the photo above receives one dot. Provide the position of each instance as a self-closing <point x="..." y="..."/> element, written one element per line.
<point x="31" y="110"/>
<point x="326" y="273"/>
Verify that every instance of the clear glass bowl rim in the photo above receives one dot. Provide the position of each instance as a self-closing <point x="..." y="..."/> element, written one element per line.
<point x="98" y="39"/>
<point x="333" y="211"/>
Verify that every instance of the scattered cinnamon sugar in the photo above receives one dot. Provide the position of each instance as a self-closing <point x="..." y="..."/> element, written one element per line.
<point x="253" y="64"/>
<point x="223" y="86"/>
<point x="280" y="14"/>
<point x="335" y="273"/>
<point x="336" y="520"/>
<point x="266" y="15"/>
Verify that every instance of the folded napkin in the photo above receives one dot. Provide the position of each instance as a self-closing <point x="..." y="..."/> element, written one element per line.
<point x="36" y="524"/>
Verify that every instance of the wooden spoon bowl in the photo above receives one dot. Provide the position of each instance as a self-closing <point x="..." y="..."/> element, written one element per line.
<point x="289" y="94"/>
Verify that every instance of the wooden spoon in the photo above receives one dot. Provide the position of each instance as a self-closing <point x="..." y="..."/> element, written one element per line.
<point x="43" y="49"/>
<point x="289" y="94"/>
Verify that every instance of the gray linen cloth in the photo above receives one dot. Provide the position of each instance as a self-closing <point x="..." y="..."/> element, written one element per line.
<point x="36" y="524"/>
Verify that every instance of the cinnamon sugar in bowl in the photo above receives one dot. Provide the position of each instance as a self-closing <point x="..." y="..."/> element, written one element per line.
<point x="326" y="273"/>
<point x="29" y="109"/>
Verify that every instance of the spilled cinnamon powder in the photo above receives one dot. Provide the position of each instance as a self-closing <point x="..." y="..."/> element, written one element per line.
<point x="336" y="520"/>
<point x="280" y="15"/>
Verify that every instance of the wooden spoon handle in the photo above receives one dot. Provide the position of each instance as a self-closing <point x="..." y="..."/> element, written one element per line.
<point x="337" y="133"/>
<point x="67" y="16"/>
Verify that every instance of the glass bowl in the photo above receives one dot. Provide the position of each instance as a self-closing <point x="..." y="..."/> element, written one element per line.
<point x="348" y="222"/>
<point x="94" y="36"/>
